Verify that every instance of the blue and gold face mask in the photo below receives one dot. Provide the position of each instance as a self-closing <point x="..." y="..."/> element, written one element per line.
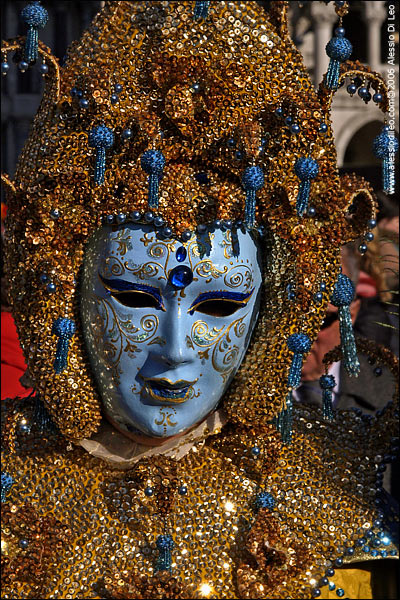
<point x="167" y="323"/>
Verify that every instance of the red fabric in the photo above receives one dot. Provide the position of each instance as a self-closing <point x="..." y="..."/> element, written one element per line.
<point x="366" y="286"/>
<point x="12" y="360"/>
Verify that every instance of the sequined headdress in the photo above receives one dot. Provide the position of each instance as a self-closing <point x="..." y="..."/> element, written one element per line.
<point x="191" y="115"/>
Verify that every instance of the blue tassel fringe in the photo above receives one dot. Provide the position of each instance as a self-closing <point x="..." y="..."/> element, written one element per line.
<point x="284" y="421"/>
<point x="332" y="75"/>
<point x="250" y="208"/>
<point x="64" y="329"/>
<point x="303" y="197"/>
<point x="348" y="344"/>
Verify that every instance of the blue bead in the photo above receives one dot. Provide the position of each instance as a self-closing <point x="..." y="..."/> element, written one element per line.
<point x="51" y="288"/>
<point x="217" y="223"/>
<point x="367" y="97"/>
<point x="374" y="552"/>
<point x="377" y="98"/>
<point x="323" y="581"/>
<point x="393" y="553"/>
<point x="369" y="534"/>
<point x="362" y="248"/>
<point x="279" y="111"/>
<point x="109" y="219"/>
<point x="180" y="277"/>
<point x="24" y="428"/>
<point x="182" y="490"/>
<point x="44" y="278"/>
<point x="295" y="128"/>
<point x="322" y="286"/>
<point x="159" y="222"/>
<point x="331" y="586"/>
<point x="340" y="31"/>
<point x="23" y="65"/>
<point x="228" y="224"/>
<point x="350" y="551"/>
<point x="79" y="94"/>
<point x="372" y="223"/>
<point x="318" y="296"/>
<point x="377" y="543"/>
<point x="381" y="535"/>
<point x="121" y="218"/>
<point x="153" y="162"/>
<point x="101" y="137"/>
<point x="363" y="91"/>
<point x="264" y="500"/>
<point x="201" y="228"/>
<point x="126" y="134"/>
<point x="149" y="217"/>
<point x="383" y="553"/>
<point x="299" y="343"/>
<point x="149" y="491"/>
<point x="181" y="254"/>
<point x="118" y="88"/>
<point x="196" y="87"/>
<point x="378" y="371"/>
<point x="386" y="541"/>
<point x="369" y="236"/>
<point x="351" y="88"/>
<point x="327" y="382"/>
<point x="253" y="178"/>
<point x="291" y="295"/>
<point x="338" y="562"/>
<point x="366" y="549"/>
<point x="167" y="232"/>
<point x="311" y="211"/>
<point x="231" y="142"/>
<point x="238" y="154"/>
<point x="323" y="128"/>
<point x="316" y="592"/>
<point x="255" y="451"/>
<point x="306" y="168"/>
<point x="186" y="235"/>
<point x="340" y="592"/>
<point x="54" y="213"/>
<point x="5" y="67"/>
<point x="339" y="48"/>
<point x="23" y="544"/>
<point x="135" y="215"/>
<point x="114" y="98"/>
<point x="44" y="69"/>
<point x="330" y="572"/>
<point x="289" y="120"/>
<point x="34" y="15"/>
<point x="84" y="103"/>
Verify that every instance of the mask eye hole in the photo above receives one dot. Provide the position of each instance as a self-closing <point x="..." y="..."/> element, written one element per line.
<point x="136" y="299"/>
<point x="218" y="308"/>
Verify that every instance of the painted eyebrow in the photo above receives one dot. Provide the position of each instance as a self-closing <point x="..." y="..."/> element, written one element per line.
<point x="236" y="297"/>
<point x="120" y="285"/>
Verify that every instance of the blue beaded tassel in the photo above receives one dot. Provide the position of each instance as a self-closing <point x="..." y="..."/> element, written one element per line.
<point x="153" y="163"/>
<point x="35" y="16"/>
<point x="327" y="383"/>
<point x="41" y="417"/>
<point x="385" y="147"/>
<point x="252" y="180"/>
<point x="164" y="544"/>
<point x="338" y="49"/>
<point x="342" y="297"/>
<point x="305" y="169"/>
<point x="201" y="9"/>
<point x="100" y="138"/>
<point x="64" y="328"/>
<point x="284" y="421"/>
<point x="6" y="485"/>
<point x="299" y="344"/>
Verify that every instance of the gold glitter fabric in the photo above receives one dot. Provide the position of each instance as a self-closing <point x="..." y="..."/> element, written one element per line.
<point x="204" y="92"/>
<point x="87" y="530"/>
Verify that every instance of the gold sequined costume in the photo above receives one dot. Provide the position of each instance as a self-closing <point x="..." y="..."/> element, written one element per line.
<point x="76" y="527"/>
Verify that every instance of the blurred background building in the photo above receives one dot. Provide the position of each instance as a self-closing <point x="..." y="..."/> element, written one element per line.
<point x="312" y="23"/>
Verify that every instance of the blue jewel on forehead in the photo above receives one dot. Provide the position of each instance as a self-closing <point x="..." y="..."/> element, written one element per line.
<point x="181" y="254"/>
<point x="180" y="277"/>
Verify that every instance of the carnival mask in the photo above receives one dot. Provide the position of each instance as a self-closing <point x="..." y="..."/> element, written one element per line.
<point x="167" y="323"/>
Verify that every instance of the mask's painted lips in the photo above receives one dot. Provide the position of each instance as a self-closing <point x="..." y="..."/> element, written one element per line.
<point x="164" y="390"/>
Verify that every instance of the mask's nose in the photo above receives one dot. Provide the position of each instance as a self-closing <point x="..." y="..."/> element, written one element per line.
<point x="175" y="330"/>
